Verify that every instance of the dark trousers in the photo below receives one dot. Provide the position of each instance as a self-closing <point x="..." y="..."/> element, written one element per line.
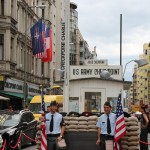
<point x="51" y="142"/>
<point x="103" y="138"/>
<point x="144" y="138"/>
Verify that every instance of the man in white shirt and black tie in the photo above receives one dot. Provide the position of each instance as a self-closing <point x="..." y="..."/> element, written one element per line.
<point x="106" y="126"/>
<point x="55" y="127"/>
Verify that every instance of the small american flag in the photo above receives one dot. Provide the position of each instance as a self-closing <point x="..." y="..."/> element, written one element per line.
<point x="43" y="125"/>
<point x="120" y="129"/>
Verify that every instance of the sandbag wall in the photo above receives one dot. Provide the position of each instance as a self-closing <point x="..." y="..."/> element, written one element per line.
<point x="81" y="133"/>
<point x="81" y="123"/>
<point x="131" y="140"/>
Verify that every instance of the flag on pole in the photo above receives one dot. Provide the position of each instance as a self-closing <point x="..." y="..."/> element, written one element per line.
<point x="47" y="45"/>
<point x="120" y="129"/>
<point x="37" y="39"/>
<point x="43" y="125"/>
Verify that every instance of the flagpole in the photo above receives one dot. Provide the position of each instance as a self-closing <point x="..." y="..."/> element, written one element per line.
<point x="25" y="61"/>
<point x="66" y="71"/>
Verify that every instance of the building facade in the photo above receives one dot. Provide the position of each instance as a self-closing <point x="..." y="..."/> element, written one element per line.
<point x="141" y="80"/>
<point x="20" y="72"/>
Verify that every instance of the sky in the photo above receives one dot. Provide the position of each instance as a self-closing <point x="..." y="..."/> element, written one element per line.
<point x="99" y="23"/>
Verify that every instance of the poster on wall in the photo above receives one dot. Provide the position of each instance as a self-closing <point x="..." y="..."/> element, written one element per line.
<point x="74" y="105"/>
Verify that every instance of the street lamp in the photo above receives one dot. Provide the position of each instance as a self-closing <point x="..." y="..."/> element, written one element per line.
<point x="140" y="62"/>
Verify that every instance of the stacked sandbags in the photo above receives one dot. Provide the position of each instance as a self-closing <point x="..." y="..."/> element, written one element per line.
<point x="92" y="120"/>
<point x="71" y="123"/>
<point x="131" y="140"/>
<point x="81" y="123"/>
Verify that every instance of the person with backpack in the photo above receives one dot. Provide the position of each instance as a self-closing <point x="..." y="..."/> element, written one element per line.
<point x="144" y="129"/>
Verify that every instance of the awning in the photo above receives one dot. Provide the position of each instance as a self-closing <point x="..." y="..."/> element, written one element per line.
<point x="4" y="98"/>
<point x="19" y="95"/>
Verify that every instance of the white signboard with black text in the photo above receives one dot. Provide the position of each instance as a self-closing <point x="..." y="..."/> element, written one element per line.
<point x="79" y="72"/>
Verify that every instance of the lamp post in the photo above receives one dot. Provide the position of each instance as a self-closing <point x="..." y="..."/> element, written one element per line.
<point x="140" y="62"/>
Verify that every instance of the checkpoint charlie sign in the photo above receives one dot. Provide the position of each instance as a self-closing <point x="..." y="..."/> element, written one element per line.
<point x="78" y="72"/>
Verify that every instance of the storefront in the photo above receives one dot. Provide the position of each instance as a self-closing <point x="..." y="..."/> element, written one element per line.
<point x="14" y="90"/>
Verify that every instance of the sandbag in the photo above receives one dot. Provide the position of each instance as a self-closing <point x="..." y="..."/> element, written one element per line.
<point x="132" y="128"/>
<point x="82" y="127"/>
<point x="82" y="118"/>
<point x="73" y="122"/>
<point x="124" y="147"/>
<point x="132" y="133"/>
<point x="133" y="138"/>
<point x="133" y="143"/>
<point x="132" y="119"/>
<point x="83" y="122"/>
<point x="92" y="126"/>
<point x="92" y="122"/>
<point x="92" y="118"/>
<point x="133" y="148"/>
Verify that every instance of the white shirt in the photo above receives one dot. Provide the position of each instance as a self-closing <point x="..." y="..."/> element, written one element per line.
<point x="57" y="123"/>
<point x="102" y="123"/>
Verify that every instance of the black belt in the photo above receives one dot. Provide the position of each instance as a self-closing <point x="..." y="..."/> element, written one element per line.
<point x="53" y="135"/>
<point x="107" y="135"/>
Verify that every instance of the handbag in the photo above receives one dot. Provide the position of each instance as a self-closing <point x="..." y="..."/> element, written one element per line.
<point x="61" y="144"/>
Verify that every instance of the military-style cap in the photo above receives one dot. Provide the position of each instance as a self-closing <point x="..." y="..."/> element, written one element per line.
<point x="53" y="103"/>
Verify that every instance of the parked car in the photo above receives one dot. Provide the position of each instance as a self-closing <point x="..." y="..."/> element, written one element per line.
<point x="13" y="124"/>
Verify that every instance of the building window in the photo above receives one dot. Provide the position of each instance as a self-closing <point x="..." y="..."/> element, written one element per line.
<point x="43" y="13"/>
<point x="1" y="7"/>
<point x="42" y="69"/>
<point x="1" y="46"/>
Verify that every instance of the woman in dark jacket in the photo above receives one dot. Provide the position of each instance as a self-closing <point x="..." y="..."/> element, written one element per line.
<point x="144" y="131"/>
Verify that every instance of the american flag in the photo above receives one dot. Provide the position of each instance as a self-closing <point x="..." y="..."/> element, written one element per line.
<point x="43" y="125"/>
<point x="120" y="129"/>
<point x="37" y="39"/>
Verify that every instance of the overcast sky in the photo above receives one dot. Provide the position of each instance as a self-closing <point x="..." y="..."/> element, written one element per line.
<point x="99" y="23"/>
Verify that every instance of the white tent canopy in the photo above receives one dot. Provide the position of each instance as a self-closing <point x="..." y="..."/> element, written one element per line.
<point x="4" y="98"/>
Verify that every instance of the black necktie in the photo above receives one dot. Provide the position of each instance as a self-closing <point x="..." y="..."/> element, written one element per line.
<point x="108" y="125"/>
<point x="51" y="123"/>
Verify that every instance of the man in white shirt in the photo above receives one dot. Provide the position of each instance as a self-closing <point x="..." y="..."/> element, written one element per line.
<point x="106" y="126"/>
<point x="55" y="126"/>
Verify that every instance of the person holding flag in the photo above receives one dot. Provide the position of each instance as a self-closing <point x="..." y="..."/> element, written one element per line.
<point x="106" y="126"/>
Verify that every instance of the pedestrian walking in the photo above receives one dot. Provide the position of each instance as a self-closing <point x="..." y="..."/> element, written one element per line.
<point x="106" y="126"/>
<point x="55" y="127"/>
<point x="144" y="130"/>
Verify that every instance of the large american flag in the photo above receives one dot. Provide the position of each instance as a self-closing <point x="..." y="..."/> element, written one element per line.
<point x="120" y="129"/>
<point x="43" y="125"/>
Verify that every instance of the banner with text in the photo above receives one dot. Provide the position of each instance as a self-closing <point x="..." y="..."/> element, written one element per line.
<point x="79" y="72"/>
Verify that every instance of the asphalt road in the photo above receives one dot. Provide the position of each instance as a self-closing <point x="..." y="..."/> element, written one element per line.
<point x="29" y="147"/>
